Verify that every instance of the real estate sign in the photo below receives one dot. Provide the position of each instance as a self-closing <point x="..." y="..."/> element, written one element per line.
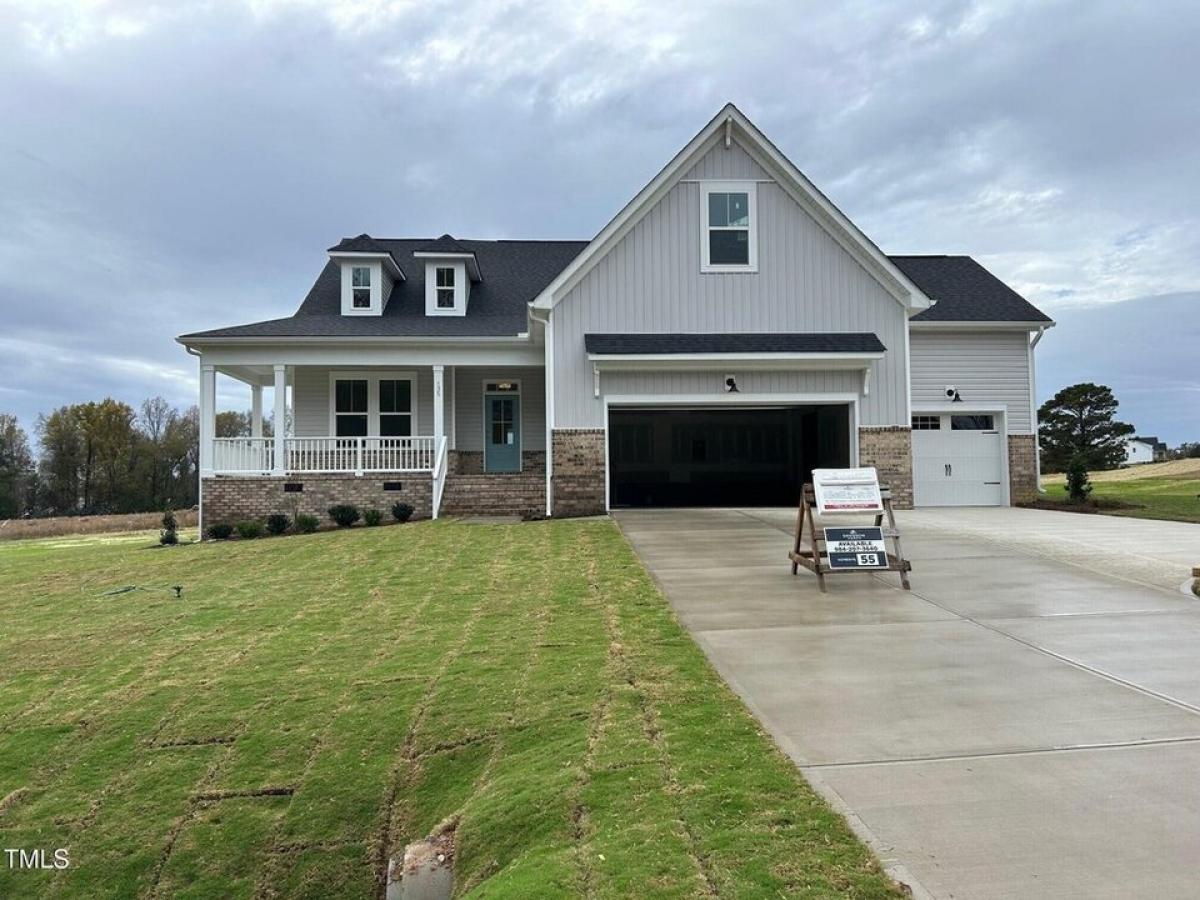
<point x="855" y="548"/>
<point x="847" y="490"/>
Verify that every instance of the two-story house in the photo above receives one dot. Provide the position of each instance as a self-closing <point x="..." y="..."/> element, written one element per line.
<point x="727" y="332"/>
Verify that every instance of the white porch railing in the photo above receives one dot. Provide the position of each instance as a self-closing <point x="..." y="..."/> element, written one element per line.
<point x="328" y="454"/>
<point x="439" y="476"/>
<point x="360" y="454"/>
<point x="243" y="454"/>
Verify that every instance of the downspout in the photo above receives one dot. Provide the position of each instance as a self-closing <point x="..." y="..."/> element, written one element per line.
<point x="1033" y="408"/>
<point x="548" y="335"/>
<point x="199" y="479"/>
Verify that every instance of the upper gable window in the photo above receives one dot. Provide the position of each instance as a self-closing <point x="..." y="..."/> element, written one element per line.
<point x="728" y="227"/>
<point x="445" y="287"/>
<point x="360" y="297"/>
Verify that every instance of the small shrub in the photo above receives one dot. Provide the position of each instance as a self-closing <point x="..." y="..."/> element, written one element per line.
<point x="249" y="529"/>
<point x="169" y="536"/>
<point x="1078" y="484"/>
<point x="372" y="517"/>
<point x="278" y="523"/>
<point x="306" y="524"/>
<point x="344" y="514"/>
<point x="402" y="512"/>
<point x="220" y="531"/>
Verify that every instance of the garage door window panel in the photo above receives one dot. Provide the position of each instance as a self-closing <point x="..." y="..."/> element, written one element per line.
<point x="972" y="423"/>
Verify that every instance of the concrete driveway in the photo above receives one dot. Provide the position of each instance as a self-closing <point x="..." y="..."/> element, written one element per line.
<point x="1018" y="725"/>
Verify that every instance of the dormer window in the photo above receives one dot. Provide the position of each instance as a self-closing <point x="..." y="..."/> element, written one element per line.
<point x="450" y="270"/>
<point x="368" y="272"/>
<point x="728" y="226"/>
<point x="361" y="287"/>
<point x="445" y="287"/>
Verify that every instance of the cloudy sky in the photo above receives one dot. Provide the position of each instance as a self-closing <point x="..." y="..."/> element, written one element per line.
<point x="166" y="167"/>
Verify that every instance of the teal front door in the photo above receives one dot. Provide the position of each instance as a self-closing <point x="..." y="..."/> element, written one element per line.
<point x="502" y="432"/>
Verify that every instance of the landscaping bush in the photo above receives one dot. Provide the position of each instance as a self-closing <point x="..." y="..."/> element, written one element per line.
<point x="249" y="529"/>
<point x="278" y="523"/>
<point x="221" y="531"/>
<point x="402" y="512"/>
<point x="1078" y="484"/>
<point x="169" y="536"/>
<point x="344" y="514"/>
<point x="306" y="524"/>
<point x="372" y="517"/>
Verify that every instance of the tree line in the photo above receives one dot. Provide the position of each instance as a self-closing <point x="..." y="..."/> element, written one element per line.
<point x="106" y="457"/>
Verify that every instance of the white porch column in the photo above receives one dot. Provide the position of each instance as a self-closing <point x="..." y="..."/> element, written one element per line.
<point x="439" y="401"/>
<point x="256" y="410"/>
<point x="280" y="420"/>
<point x="208" y="417"/>
<point x="453" y="409"/>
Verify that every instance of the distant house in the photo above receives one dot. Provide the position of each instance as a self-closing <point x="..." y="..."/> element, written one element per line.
<point x="1144" y="450"/>
<point x="728" y="332"/>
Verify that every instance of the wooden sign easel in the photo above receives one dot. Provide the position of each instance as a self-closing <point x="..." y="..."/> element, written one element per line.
<point x="811" y="557"/>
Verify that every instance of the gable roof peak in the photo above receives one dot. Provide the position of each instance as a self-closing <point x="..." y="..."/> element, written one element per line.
<point x="444" y="244"/>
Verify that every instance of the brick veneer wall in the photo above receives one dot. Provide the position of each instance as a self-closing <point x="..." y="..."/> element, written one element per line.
<point x="470" y="462"/>
<point x="889" y="450"/>
<point x="235" y="498"/>
<point x="1022" y="468"/>
<point x="577" y="483"/>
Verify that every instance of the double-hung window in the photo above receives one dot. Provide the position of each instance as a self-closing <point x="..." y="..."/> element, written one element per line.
<point x="360" y="287"/>
<point x="351" y="409"/>
<point x="445" y="287"/>
<point x="729" y="232"/>
<point x="395" y="407"/>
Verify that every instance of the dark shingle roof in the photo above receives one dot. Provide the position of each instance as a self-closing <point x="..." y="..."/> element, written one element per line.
<point x="515" y="273"/>
<point x="444" y="244"/>
<point x="965" y="291"/>
<point x="734" y="342"/>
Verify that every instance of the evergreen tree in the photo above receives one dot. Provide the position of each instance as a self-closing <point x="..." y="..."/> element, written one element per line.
<point x="1079" y="420"/>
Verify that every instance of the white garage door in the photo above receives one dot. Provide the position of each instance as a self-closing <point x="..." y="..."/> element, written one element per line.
<point x="958" y="460"/>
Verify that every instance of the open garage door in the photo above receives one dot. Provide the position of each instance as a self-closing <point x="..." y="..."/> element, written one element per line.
<point x="746" y="456"/>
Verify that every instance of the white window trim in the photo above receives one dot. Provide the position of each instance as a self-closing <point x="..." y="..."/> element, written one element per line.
<point x="750" y="188"/>
<point x="372" y="377"/>
<point x="460" y="287"/>
<point x="347" y="274"/>
<point x="520" y="418"/>
<point x="355" y="287"/>
<point x="438" y="287"/>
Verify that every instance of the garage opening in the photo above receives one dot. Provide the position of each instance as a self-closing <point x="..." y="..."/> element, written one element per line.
<point x="745" y="456"/>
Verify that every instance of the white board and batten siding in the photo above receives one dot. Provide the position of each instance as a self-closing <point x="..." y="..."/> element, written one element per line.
<point x="987" y="368"/>
<point x="650" y="281"/>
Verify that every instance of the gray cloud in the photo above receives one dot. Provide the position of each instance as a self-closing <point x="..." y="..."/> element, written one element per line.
<point x="167" y="167"/>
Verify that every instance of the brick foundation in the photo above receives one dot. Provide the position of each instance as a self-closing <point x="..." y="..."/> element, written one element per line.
<point x="578" y="479"/>
<point x="1022" y="468"/>
<point x="470" y="462"/>
<point x="234" y="499"/>
<point x="889" y="450"/>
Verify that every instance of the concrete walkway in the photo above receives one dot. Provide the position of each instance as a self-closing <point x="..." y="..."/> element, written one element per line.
<point x="1016" y="726"/>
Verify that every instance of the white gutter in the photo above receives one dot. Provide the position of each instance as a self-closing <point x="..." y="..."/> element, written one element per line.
<point x="199" y="479"/>
<point x="1033" y="408"/>
<point x="549" y="416"/>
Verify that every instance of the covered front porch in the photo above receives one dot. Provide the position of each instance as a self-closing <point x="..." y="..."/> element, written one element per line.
<point x="425" y="423"/>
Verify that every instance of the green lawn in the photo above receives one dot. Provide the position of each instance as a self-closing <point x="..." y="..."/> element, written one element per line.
<point x="313" y="701"/>
<point x="1177" y="499"/>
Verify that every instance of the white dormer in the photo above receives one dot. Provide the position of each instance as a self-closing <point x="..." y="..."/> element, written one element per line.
<point x="449" y="270"/>
<point x="368" y="273"/>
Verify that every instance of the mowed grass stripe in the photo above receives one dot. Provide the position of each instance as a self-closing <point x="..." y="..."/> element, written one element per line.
<point x="314" y="703"/>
